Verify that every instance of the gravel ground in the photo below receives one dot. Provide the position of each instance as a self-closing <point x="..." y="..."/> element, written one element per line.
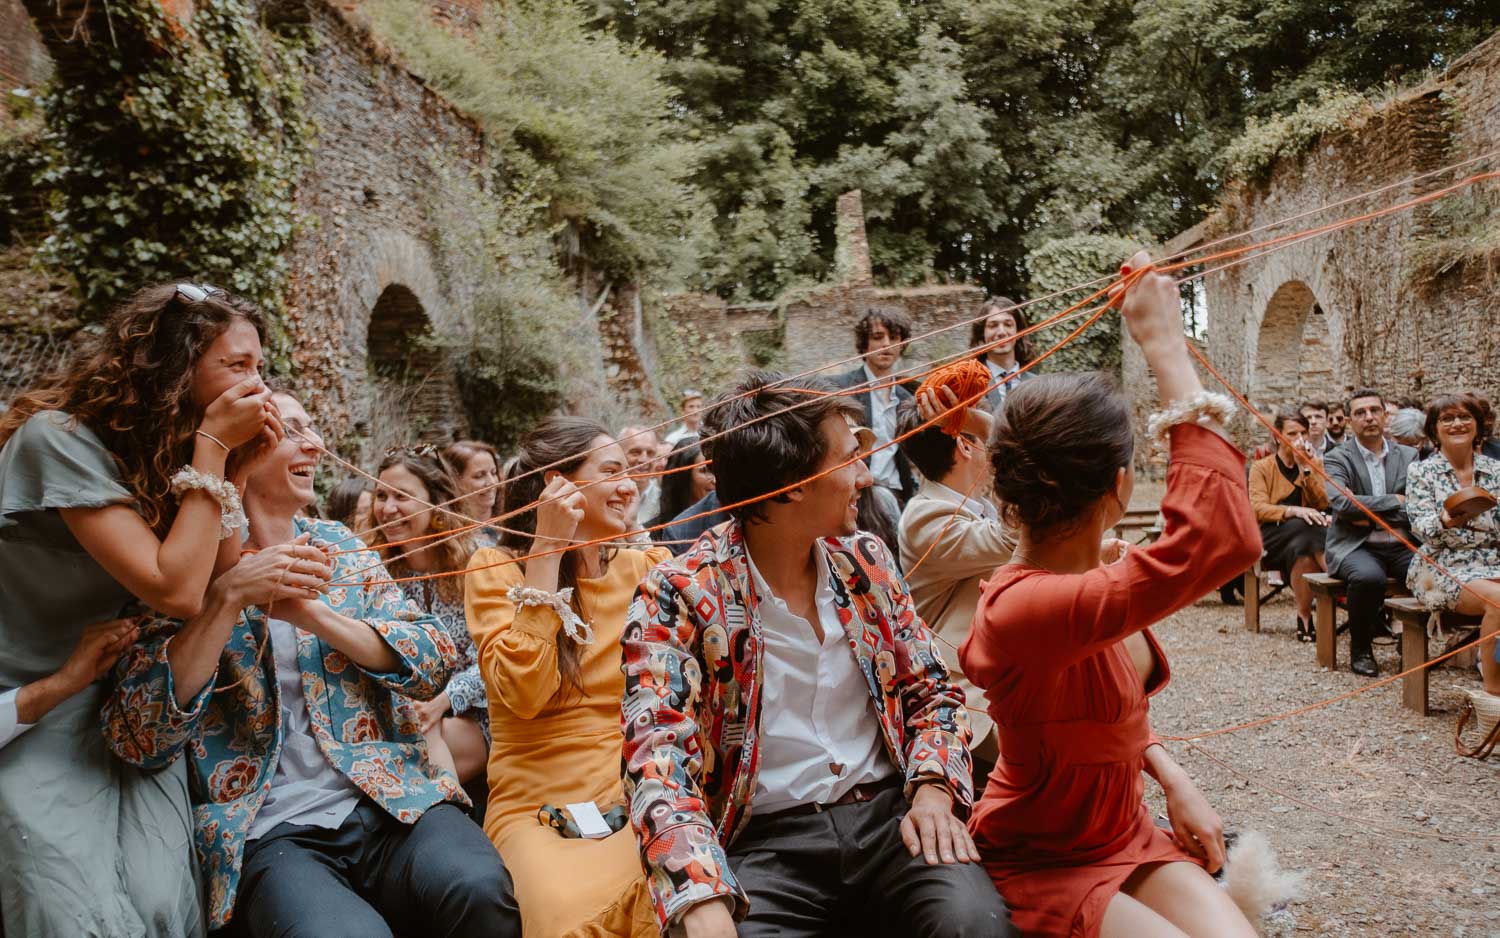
<point x="1367" y="758"/>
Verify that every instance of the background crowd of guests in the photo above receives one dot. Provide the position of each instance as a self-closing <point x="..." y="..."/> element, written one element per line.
<point x="1399" y="461"/>
<point x="867" y="668"/>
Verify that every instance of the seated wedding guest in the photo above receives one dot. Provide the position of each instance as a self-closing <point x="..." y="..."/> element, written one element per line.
<point x="349" y="505"/>
<point x="456" y="721"/>
<point x="1291" y="504"/>
<point x="548" y="628"/>
<point x="1002" y="320"/>
<point x="682" y="487"/>
<point x="953" y="529"/>
<point x="476" y="468"/>
<point x="691" y="522"/>
<point x="1315" y="418"/>
<point x="1338" y="422"/>
<point x="317" y="811"/>
<point x="113" y="499"/>
<point x="878" y="513"/>
<point x="1467" y="547"/>
<point x="1409" y="428"/>
<point x="641" y="447"/>
<point x="1392" y="406"/>
<point x="1062" y="827"/>
<point x="1358" y="551"/>
<point x="796" y="758"/>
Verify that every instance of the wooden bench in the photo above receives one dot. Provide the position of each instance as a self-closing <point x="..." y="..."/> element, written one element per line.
<point x="1413" y="616"/>
<point x="1138" y="525"/>
<point x="1253" y="598"/>
<point x="1328" y="590"/>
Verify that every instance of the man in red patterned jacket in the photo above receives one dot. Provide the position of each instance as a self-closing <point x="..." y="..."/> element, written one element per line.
<point x="795" y="755"/>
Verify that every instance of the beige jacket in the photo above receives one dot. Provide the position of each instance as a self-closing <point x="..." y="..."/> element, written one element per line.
<point x="945" y="587"/>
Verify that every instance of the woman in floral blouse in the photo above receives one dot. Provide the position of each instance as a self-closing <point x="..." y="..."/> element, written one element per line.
<point x="1468" y="549"/>
<point x="455" y="722"/>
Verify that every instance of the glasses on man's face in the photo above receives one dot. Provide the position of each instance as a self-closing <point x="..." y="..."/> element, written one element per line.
<point x="197" y="292"/>
<point x="1455" y="420"/>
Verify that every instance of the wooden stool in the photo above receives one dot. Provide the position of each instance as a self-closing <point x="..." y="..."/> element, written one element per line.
<point x="1413" y="616"/>
<point x="1329" y="590"/>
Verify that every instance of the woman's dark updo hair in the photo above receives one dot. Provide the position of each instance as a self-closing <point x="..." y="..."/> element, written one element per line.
<point x="1058" y="444"/>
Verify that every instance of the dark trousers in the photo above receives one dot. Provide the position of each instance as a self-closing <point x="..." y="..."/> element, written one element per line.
<point x="845" y="871"/>
<point x="374" y="876"/>
<point x="1364" y="571"/>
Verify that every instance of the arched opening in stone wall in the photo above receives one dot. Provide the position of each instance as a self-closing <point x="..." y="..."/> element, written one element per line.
<point x="1294" y="354"/>
<point x="413" y="393"/>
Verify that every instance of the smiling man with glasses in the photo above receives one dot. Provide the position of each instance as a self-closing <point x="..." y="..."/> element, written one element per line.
<point x="1359" y="552"/>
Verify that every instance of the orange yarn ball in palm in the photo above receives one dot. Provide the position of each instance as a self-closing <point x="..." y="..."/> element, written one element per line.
<point x="968" y="380"/>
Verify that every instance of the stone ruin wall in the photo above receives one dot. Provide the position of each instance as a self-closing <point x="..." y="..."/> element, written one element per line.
<point x="1384" y="303"/>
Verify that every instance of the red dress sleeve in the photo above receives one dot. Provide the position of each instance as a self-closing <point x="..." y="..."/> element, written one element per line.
<point x="1209" y="535"/>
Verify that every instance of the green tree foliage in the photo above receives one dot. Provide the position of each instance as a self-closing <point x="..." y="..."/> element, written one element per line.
<point x="586" y="119"/>
<point x="173" y="152"/>
<point x="983" y="130"/>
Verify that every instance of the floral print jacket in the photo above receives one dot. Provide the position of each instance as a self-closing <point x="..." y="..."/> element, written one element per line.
<point x="362" y="720"/>
<point x="692" y="658"/>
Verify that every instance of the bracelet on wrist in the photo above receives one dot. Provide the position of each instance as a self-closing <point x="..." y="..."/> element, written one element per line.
<point x="560" y="602"/>
<point x="213" y="439"/>
<point x="231" y="512"/>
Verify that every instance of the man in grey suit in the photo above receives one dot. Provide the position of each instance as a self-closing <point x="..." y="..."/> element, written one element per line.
<point x="1358" y="551"/>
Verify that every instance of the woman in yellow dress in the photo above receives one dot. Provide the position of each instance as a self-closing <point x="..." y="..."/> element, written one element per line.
<point x="548" y="634"/>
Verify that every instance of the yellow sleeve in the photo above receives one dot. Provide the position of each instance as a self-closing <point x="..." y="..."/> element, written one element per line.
<point x="517" y="649"/>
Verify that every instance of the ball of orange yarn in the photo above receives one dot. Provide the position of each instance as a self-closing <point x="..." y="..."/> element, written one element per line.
<point x="968" y="380"/>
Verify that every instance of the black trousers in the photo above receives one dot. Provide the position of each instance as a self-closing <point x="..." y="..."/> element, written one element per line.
<point x="374" y="877"/>
<point x="846" y="872"/>
<point x="1364" y="572"/>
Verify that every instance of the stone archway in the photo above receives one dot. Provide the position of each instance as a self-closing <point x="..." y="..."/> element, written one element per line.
<point x="1294" y="358"/>
<point x="412" y="391"/>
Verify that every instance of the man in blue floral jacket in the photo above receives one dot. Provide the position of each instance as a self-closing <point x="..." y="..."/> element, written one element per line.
<point x="317" y="810"/>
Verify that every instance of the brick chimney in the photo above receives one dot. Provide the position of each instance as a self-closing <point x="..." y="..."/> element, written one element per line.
<point x="851" y="257"/>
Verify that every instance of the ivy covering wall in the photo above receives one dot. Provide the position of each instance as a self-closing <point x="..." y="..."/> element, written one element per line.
<point x="172" y="151"/>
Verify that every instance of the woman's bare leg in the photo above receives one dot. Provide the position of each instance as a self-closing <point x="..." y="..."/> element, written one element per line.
<point x="1125" y="917"/>
<point x="1482" y="598"/>
<point x="1183" y="894"/>
<point x="467" y="748"/>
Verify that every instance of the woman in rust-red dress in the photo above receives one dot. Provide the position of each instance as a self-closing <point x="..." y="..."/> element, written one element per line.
<point x="1061" y="646"/>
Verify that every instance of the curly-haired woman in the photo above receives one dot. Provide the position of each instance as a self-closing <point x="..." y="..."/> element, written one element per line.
<point x="548" y="626"/>
<point x="113" y="498"/>
<point x="457" y="721"/>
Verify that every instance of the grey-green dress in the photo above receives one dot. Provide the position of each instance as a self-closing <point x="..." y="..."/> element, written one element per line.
<point x="88" y="845"/>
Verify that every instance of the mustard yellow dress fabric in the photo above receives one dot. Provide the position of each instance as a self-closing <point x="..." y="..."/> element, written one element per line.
<point x="554" y="745"/>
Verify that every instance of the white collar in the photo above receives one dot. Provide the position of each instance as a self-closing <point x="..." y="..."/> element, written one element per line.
<point x="979" y="507"/>
<point x="1364" y="451"/>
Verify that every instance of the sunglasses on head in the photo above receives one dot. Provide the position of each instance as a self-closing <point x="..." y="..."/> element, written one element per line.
<point x="197" y="292"/>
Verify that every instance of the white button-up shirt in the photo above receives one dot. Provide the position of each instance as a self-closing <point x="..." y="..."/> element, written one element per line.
<point x="883" y="416"/>
<point x="819" y="736"/>
<point x="996" y="373"/>
<point x="1375" y="466"/>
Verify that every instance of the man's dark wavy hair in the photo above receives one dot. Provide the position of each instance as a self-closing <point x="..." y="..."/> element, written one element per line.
<point x="755" y="456"/>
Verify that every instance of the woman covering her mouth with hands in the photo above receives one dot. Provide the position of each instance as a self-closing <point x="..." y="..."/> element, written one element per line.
<point x="120" y="483"/>
<point x="548" y="629"/>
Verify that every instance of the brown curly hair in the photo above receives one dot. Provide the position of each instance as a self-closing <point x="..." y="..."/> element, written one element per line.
<point x="132" y="385"/>
<point x="453" y="551"/>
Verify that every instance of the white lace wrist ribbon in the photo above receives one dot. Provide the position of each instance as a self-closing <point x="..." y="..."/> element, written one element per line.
<point x="231" y="512"/>
<point x="1202" y="408"/>
<point x="560" y="602"/>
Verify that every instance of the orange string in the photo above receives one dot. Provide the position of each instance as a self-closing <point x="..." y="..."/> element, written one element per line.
<point x="963" y="378"/>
